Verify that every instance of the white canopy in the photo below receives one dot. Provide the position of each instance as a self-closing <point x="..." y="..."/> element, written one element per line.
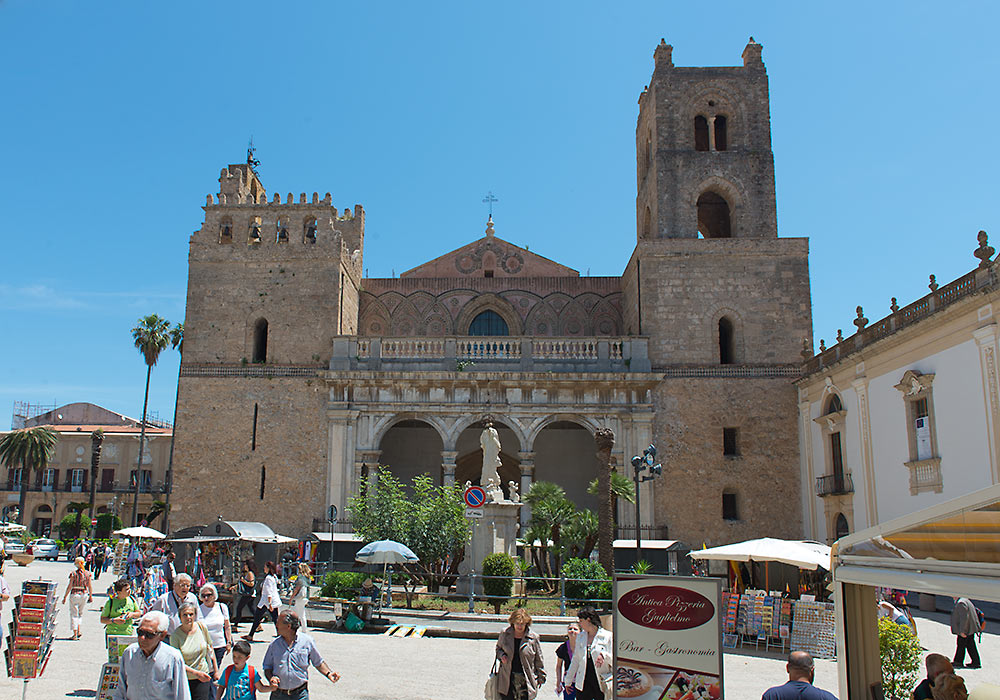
<point x="143" y="532"/>
<point x="805" y="555"/>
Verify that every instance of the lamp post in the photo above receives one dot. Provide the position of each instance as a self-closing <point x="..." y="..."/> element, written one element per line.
<point x="641" y="463"/>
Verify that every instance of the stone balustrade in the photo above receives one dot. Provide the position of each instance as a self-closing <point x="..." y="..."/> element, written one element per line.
<point x="490" y="354"/>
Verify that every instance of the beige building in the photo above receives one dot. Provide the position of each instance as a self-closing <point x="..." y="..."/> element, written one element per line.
<point x="904" y="414"/>
<point x="300" y="376"/>
<point x="67" y="478"/>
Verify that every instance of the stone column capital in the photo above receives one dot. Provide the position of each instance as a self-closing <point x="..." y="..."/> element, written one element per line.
<point x="526" y="457"/>
<point x="986" y="334"/>
<point x="448" y="457"/>
<point x="527" y="470"/>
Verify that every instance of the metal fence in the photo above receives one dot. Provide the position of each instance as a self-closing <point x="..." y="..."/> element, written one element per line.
<point x="466" y="585"/>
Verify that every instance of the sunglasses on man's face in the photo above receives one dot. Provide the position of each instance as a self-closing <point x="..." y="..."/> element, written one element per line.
<point x="146" y="634"/>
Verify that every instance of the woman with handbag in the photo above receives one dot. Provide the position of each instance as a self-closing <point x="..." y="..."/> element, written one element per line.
<point x="590" y="670"/>
<point x="522" y="670"/>
<point x="194" y="643"/>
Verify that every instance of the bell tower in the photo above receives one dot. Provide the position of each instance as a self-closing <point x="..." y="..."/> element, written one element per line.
<point x="704" y="167"/>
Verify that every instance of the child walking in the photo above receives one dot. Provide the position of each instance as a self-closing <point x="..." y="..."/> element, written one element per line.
<point x="241" y="681"/>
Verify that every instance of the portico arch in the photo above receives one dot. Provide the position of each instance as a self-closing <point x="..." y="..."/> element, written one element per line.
<point x="565" y="454"/>
<point x="469" y="461"/>
<point x="411" y="447"/>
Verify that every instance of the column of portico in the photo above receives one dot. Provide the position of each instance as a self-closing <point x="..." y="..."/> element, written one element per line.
<point x="363" y="459"/>
<point x="341" y="430"/>
<point x="527" y="476"/>
<point x="448" y="458"/>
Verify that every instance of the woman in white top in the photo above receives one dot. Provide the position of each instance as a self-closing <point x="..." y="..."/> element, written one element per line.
<point x="215" y="617"/>
<point x="269" y="600"/>
<point x="300" y="594"/>
<point x="592" y="657"/>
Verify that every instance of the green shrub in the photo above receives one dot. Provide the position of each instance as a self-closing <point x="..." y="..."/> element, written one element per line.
<point x="342" y="584"/>
<point x="586" y="590"/>
<point x="641" y="567"/>
<point x="900" y="652"/>
<point x="498" y="589"/>
<point x="107" y="523"/>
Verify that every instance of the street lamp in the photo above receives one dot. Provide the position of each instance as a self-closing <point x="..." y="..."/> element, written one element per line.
<point x="639" y="465"/>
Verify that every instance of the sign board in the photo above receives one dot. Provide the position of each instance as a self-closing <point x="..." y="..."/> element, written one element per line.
<point x="93" y="522"/>
<point x="668" y="636"/>
<point x="473" y="512"/>
<point x="475" y="496"/>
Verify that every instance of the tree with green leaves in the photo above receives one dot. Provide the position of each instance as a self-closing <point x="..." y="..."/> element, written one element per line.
<point x="78" y="507"/>
<point x="580" y="534"/>
<point x="177" y="343"/>
<point x="30" y="449"/>
<point x="550" y="510"/>
<point x="158" y="508"/>
<point x="150" y="336"/>
<point x="900" y="654"/>
<point x="428" y="519"/>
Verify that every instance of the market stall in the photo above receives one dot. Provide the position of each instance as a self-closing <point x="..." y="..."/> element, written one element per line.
<point x="951" y="549"/>
<point x="780" y="614"/>
<point x="218" y="550"/>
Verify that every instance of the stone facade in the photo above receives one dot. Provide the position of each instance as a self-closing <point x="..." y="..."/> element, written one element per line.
<point x="694" y="347"/>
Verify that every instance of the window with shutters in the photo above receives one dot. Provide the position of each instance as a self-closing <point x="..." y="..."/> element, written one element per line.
<point x="921" y="433"/>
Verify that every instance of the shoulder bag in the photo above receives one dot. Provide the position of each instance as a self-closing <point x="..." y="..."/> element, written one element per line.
<point x="492" y="689"/>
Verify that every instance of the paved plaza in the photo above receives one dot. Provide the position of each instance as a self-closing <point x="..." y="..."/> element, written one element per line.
<point x="375" y="667"/>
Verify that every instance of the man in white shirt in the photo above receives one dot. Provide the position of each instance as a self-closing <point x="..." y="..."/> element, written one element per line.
<point x="150" y="668"/>
<point x="171" y="601"/>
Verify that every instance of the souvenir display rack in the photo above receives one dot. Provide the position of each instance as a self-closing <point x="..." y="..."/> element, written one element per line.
<point x="32" y="627"/>
<point x="813" y="629"/>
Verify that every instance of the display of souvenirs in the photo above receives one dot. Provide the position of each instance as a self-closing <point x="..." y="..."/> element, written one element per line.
<point x="31" y="629"/>
<point x="117" y="644"/>
<point x="813" y="629"/>
<point x="118" y="558"/>
<point x="109" y="681"/>
<point x="731" y="604"/>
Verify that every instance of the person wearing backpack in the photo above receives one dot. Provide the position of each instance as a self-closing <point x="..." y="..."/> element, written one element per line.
<point x="240" y="680"/>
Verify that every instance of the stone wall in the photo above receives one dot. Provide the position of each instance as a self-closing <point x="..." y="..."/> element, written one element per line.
<point x="688" y="431"/>
<point x="218" y="465"/>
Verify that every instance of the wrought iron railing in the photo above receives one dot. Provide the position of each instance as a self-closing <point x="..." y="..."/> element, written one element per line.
<point x="834" y="484"/>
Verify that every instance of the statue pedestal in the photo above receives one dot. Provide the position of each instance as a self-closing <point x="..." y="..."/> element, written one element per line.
<point x="496" y="531"/>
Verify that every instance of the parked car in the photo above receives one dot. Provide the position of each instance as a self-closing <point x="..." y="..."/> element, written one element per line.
<point x="45" y="549"/>
<point x="14" y="547"/>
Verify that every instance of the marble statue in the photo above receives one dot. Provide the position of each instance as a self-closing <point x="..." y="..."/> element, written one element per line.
<point x="489" y="440"/>
<point x="493" y="491"/>
<point x="514" y="496"/>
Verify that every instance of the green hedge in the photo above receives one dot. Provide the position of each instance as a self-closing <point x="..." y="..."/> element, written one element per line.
<point x="342" y="584"/>
<point x="599" y="589"/>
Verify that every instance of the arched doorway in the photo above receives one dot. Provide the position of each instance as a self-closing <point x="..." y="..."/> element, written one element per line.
<point x="41" y="524"/>
<point x="565" y="455"/>
<point x="410" y="448"/>
<point x="713" y="216"/>
<point x="469" y="464"/>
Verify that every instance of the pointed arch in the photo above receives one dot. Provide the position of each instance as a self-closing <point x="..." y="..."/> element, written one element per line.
<point x="492" y="302"/>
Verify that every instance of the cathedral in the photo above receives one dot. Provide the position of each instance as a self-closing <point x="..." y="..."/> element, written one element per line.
<point x="300" y="376"/>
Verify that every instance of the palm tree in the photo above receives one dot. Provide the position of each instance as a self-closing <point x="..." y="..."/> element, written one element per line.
<point x="151" y="336"/>
<point x="550" y="509"/>
<point x="31" y="449"/>
<point x="177" y="342"/>
<point x="96" y="440"/>
<point x="604" y="439"/>
<point x="159" y="508"/>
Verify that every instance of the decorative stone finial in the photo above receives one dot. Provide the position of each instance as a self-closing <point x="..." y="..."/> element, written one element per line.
<point x="840" y="335"/>
<point x="806" y="350"/>
<point x="893" y="306"/>
<point x="861" y="321"/>
<point x="751" y="54"/>
<point x="822" y="345"/>
<point x="933" y="285"/>
<point x="663" y="55"/>
<point x="489" y="227"/>
<point x="985" y="251"/>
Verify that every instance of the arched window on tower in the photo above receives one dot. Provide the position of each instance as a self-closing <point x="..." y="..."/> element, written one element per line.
<point x="700" y="133"/>
<point x="260" y="341"/>
<point x="727" y="342"/>
<point x="488" y="323"/>
<point x="254" y="237"/>
<point x="282" y="230"/>
<point x="309" y="230"/>
<point x="647" y="224"/>
<point x="720" y="132"/>
<point x="713" y="216"/>
<point x="226" y="231"/>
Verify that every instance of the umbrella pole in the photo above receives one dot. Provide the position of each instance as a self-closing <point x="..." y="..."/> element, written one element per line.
<point x="767" y="576"/>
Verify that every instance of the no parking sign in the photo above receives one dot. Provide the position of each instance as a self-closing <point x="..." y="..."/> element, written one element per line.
<point x="475" y="497"/>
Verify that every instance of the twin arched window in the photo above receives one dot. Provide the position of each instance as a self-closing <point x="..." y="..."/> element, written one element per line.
<point x="707" y="127"/>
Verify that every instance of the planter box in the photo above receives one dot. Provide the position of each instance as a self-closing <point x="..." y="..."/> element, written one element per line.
<point x="22" y="559"/>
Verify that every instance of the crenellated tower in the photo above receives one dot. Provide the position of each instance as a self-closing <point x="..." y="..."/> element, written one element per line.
<point x="270" y="284"/>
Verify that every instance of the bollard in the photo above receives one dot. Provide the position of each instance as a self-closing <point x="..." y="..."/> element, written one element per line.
<point x="472" y="590"/>
<point x="562" y="594"/>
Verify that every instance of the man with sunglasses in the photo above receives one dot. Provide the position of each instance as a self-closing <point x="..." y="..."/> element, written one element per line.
<point x="151" y="669"/>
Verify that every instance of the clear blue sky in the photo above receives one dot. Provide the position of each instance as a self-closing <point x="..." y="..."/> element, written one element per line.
<point x="118" y="116"/>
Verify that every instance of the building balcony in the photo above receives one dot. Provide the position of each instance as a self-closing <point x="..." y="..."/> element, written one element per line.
<point x="491" y="354"/>
<point x="834" y="485"/>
